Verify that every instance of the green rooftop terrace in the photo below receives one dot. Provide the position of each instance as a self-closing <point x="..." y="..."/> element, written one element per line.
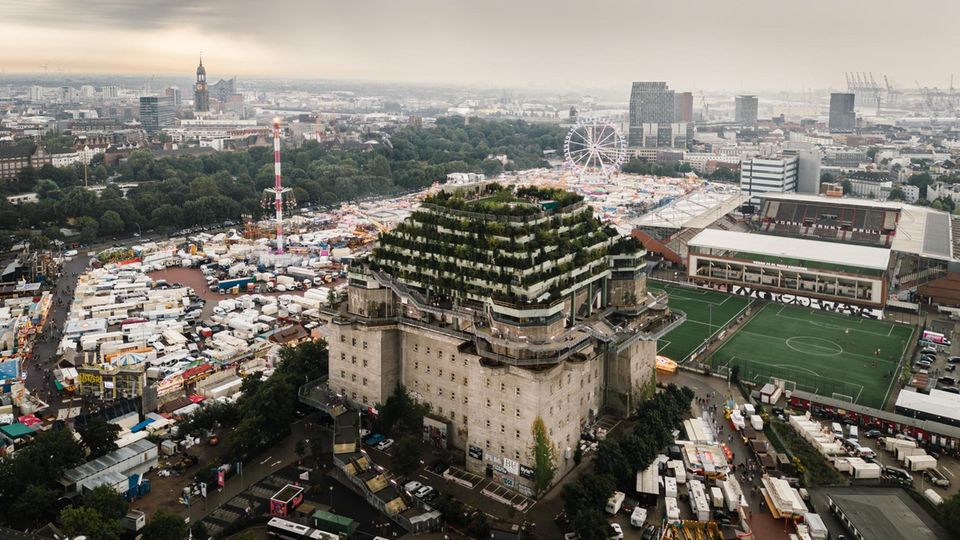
<point x="496" y="200"/>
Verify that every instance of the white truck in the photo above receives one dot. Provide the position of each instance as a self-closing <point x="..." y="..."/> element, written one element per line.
<point x="615" y="502"/>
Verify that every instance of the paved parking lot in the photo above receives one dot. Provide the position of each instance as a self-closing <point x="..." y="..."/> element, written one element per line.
<point x="476" y="491"/>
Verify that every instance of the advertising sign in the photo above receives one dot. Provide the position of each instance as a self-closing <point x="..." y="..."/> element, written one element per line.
<point x="475" y="452"/>
<point x="511" y="466"/>
<point x="526" y="472"/>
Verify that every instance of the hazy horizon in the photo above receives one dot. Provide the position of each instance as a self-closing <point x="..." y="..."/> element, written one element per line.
<point x="752" y="47"/>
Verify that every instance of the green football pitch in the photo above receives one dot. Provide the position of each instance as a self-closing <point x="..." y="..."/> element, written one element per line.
<point x="821" y="352"/>
<point x="707" y="312"/>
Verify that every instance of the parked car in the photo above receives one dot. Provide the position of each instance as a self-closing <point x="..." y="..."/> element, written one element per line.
<point x="412" y="486"/>
<point x="953" y="360"/>
<point x="951" y="367"/>
<point x="951" y="390"/>
<point x="423" y="492"/>
<point x="384" y="444"/>
<point x="947" y="380"/>
<point x="376" y="438"/>
<point x="872" y="433"/>
<point x="617" y="531"/>
<point x="438" y="466"/>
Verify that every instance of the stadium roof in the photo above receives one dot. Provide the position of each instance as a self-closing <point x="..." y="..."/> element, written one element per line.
<point x="937" y="402"/>
<point x="794" y="248"/>
<point x="695" y="211"/>
<point x="921" y="230"/>
<point x="840" y="201"/>
<point x="924" y="231"/>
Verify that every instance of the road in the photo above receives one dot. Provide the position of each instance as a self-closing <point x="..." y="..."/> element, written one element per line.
<point x="39" y="379"/>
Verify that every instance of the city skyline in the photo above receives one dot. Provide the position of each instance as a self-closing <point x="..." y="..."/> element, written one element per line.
<point x="535" y="44"/>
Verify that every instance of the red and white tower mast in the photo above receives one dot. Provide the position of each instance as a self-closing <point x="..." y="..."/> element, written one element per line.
<point x="278" y="190"/>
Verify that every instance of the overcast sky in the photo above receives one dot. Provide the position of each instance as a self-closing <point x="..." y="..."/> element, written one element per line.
<point x="748" y="45"/>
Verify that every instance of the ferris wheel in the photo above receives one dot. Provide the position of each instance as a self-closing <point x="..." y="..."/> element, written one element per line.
<point x="594" y="145"/>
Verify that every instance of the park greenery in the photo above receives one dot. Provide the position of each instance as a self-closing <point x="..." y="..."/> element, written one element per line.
<point x="266" y="407"/>
<point x="620" y="456"/>
<point x="29" y="478"/>
<point x="177" y="192"/>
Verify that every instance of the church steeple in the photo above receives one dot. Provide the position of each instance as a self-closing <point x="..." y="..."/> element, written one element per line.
<point x="201" y="96"/>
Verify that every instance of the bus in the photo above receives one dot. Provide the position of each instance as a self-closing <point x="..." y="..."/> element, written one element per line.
<point x="282" y="528"/>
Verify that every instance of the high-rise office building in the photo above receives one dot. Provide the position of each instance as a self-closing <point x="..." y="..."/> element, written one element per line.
<point x="156" y="113"/>
<point x="745" y="110"/>
<point x="174" y="93"/>
<point x="650" y="103"/>
<point x="842" y="115"/>
<point x="110" y="92"/>
<point x="683" y="107"/>
<point x="808" y="166"/>
<point x="494" y="343"/>
<point x="201" y="95"/>
<point x="769" y="175"/>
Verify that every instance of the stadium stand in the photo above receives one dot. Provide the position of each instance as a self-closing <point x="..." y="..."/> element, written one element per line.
<point x="840" y="220"/>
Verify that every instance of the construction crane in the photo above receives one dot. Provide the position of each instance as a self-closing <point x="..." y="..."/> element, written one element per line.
<point x="706" y="108"/>
<point x="892" y="93"/>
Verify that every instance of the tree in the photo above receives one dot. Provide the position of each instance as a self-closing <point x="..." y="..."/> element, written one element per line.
<point x="950" y="515"/>
<point x="165" y="526"/>
<point x="381" y="167"/>
<point x="544" y="455"/>
<point x="827" y="177"/>
<point x="723" y="173"/>
<point x="735" y="374"/>
<point x="847" y="186"/>
<point x="406" y="456"/>
<point x="166" y="217"/>
<point x="111" y="223"/>
<point x="107" y="502"/>
<point x="937" y="205"/>
<point x="48" y="189"/>
<point x="872" y="153"/>
<point x="100" y="437"/>
<point x="300" y="448"/>
<point x="491" y="167"/>
<point x="897" y="194"/>
<point x="590" y="524"/>
<point x="401" y="414"/>
<point x="83" y="521"/>
<point x="33" y="507"/>
<point x="88" y="229"/>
